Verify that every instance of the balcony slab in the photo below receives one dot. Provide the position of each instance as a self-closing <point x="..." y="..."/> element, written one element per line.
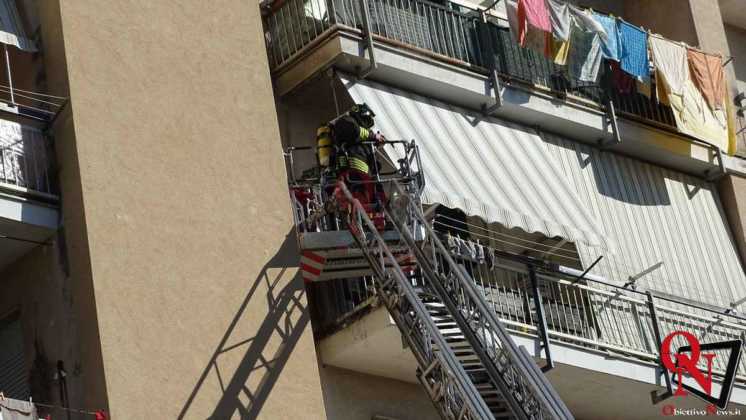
<point x="463" y="85"/>
<point x="24" y="224"/>
<point x="594" y="384"/>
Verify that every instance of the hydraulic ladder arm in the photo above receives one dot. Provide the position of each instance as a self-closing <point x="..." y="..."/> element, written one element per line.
<point x="523" y="392"/>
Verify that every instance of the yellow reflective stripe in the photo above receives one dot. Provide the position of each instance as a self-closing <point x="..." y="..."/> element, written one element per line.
<point x="354" y="163"/>
<point x="359" y="164"/>
<point x="364" y="133"/>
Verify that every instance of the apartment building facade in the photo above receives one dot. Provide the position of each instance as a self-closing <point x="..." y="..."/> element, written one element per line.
<point x="150" y="258"/>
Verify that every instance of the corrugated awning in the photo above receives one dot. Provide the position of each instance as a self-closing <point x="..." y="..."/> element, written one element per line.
<point x="656" y="215"/>
<point x="11" y="27"/>
<point x="498" y="171"/>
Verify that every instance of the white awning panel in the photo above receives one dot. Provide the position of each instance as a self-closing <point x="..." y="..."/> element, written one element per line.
<point x="492" y="169"/>
<point x="11" y="27"/>
<point x="655" y="215"/>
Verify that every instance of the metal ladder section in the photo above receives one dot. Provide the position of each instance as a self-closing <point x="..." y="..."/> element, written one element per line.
<point x="468" y="363"/>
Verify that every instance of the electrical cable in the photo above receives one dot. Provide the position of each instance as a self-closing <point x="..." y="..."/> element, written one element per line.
<point x="30" y="92"/>
<point x="29" y="97"/>
<point x="73" y="410"/>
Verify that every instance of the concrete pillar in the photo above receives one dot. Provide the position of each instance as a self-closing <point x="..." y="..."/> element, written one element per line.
<point x="176" y="212"/>
<point x="733" y="196"/>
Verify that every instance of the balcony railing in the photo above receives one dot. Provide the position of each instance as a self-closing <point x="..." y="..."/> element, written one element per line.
<point x="294" y="26"/>
<point x="24" y="160"/>
<point x="588" y="314"/>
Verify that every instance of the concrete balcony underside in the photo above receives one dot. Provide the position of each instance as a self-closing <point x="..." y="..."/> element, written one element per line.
<point x="458" y="83"/>
<point x="733" y="12"/>
<point x="594" y="384"/>
<point x="24" y="222"/>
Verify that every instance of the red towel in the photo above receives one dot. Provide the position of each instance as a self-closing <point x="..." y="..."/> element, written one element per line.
<point x="623" y="82"/>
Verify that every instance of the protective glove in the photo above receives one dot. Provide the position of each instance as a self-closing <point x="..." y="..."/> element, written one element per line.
<point x="379" y="138"/>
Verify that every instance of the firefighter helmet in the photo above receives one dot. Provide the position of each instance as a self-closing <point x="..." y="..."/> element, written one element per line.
<point x="363" y="115"/>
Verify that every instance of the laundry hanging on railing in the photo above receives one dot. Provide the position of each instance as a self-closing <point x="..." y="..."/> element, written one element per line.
<point x="634" y="51"/>
<point x="586" y="38"/>
<point x="708" y="75"/>
<point x="524" y="30"/>
<point x="580" y="39"/>
<point x="532" y="13"/>
<point x="670" y="61"/>
<point x="694" y="116"/>
<point x="559" y="40"/>
<point x="610" y="46"/>
<point x="622" y="81"/>
<point x="13" y="409"/>
<point x="469" y="250"/>
<point x="559" y="15"/>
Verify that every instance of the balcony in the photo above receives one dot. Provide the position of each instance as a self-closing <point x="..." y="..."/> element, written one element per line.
<point x="594" y="327"/>
<point x="29" y="199"/>
<point x="449" y="35"/>
<point x="449" y="53"/>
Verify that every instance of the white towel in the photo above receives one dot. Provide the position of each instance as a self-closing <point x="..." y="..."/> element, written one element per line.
<point x="670" y="59"/>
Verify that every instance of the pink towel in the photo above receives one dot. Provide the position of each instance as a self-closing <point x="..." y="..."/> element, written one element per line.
<point x="536" y="14"/>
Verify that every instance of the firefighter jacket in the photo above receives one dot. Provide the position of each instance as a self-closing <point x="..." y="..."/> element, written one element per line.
<point x="348" y="136"/>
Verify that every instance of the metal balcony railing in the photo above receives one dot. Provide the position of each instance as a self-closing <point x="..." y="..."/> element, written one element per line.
<point x="588" y="314"/>
<point x="293" y="26"/>
<point x="24" y="160"/>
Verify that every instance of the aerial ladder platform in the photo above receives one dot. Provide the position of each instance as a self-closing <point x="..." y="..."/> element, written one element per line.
<point x="467" y="361"/>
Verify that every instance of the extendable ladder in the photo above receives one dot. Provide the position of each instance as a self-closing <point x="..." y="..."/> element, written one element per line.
<point x="467" y="361"/>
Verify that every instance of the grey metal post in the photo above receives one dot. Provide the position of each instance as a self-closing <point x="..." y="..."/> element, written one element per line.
<point x="543" y="333"/>
<point x="331" y="9"/>
<point x="606" y="85"/>
<point x="658" y="340"/>
<point x="10" y="77"/>
<point x="368" y="39"/>
<point x="487" y="48"/>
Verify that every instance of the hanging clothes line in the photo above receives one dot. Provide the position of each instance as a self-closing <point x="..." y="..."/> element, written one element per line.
<point x="697" y="98"/>
<point x="729" y="57"/>
<point x="29" y="407"/>
<point x="98" y="414"/>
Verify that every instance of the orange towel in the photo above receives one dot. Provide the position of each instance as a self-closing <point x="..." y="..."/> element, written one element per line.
<point x="707" y="74"/>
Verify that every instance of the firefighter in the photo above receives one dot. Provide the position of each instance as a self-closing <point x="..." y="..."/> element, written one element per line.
<point x="341" y="147"/>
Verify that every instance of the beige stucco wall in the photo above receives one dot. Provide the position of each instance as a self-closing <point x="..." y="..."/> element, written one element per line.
<point x="352" y="395"/>
<point x="176" y="212"/>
